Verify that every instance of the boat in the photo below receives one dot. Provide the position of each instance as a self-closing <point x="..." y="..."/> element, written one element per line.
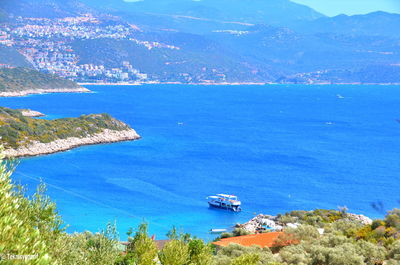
<point x="226" y="202"/>
<point x="218" y="231"/>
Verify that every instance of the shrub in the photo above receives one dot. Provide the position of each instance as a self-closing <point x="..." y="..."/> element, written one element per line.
<point x="27" y="227"/>
<point x="175" y="252"/>
<point x="247" y="259"/>
<point x="141" y="249"/>
<point x="199" y="252"/>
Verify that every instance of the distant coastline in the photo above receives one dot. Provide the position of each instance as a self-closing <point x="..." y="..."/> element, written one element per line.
<point x="169" y="83"/>
<point x="229" y="84"/>
<point x="60" y="145"/>
<point x="27" y="92"/>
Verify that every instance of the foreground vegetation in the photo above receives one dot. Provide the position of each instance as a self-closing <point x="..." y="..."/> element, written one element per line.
<point x="20" y="79"/>
<point x="32" y="226"/>
<point x="17" y="130"/>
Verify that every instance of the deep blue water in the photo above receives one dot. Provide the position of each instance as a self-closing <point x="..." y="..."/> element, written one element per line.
<point x="279" y="148"/>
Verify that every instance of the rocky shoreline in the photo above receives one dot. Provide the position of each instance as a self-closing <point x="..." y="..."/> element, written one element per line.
<point x="257" y="223"/>
<point x="31" y="113"/>
<point x="38" y="148"/>
<point x="43" y="91"/>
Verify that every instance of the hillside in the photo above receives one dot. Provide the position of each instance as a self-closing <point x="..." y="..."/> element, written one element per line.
<point x="24" y="136"/>
<point x="23" y="81"/>
<point x="276" y="12"/>
<point x="197" y="59"/>
<point x="208" y="41"/>
<point x="43" y="8"/>
<point x="373" y="24"/>
<point x="10" y="56"/>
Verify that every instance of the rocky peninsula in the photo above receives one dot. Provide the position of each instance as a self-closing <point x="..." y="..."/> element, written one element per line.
<point x="31" y="113"/>
<point x="26" y="92"/>
<point x="37" y="148"/>
<point x="26" y="136"/>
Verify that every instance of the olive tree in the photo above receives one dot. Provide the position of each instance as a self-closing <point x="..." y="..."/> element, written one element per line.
<point x="141" y="249"/>
<point x="175" y="252"/>
<point x="27" y="226"/>
<point x="247" y="259"/>
<point x="199" y="252"/>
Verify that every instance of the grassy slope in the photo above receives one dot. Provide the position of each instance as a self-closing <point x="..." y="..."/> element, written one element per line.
<point x="17" y="130"/>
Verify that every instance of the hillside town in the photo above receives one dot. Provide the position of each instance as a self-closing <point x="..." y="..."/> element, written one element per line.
<point x="46" y="44"/>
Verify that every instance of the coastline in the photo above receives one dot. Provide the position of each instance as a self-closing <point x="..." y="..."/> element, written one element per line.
<point x="31" y="113"/>
<point x="43" y="91"/>
<point x="60" y="145"/>
<point x="170" y="83"/>
<point x="228" y="84"/>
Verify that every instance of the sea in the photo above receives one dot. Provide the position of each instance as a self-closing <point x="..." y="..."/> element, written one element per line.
<point x="278" y="147"/>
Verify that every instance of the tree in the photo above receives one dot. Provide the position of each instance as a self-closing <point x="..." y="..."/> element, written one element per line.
<point x="247" y="259"/>
<point x="295" y="254"/>
<point x="303" y="232"/>
<point x="199" y="252"/>
<point x="141" y="249"/>
<point x="393" y="219"/>
<point x="345" y="254"/>
<point x="87" y="248"/>
<point x="27" y="227"/>
<point x="175" y="252"/>
<point x="233" y="251"/>
<point x="394" y="251"/>
<point x="372" y="253"/>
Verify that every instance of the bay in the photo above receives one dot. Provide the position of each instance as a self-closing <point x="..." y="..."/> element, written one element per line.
<point x="279" y="148"/>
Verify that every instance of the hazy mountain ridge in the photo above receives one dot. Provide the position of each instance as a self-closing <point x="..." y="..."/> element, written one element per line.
<point x="236" y="40"/>
<point x="44" y="8"/>
<point x="374" y="24"/>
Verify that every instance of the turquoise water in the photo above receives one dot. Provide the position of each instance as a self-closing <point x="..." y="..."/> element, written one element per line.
<point x="279" y="148"/>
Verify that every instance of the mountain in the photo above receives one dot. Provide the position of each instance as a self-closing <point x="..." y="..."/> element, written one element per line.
<point x="205" y="15"/>
<point x="44" y="8"/>
<point x="373" y="24"/>
<point x="210" y="41"/>
<point x="245" y="11"/>
<point x="198" y="59"/>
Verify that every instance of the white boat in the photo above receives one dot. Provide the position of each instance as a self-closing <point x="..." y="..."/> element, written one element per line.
<point x="218" y="231"/>
<point x="224" y="201"/>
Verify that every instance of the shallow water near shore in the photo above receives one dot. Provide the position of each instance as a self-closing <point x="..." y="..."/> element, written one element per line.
<point x="279" y="148"/>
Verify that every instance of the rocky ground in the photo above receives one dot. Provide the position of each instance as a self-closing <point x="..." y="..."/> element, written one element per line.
<point x="31" y="113"/>
<point x="258" y="223"/>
